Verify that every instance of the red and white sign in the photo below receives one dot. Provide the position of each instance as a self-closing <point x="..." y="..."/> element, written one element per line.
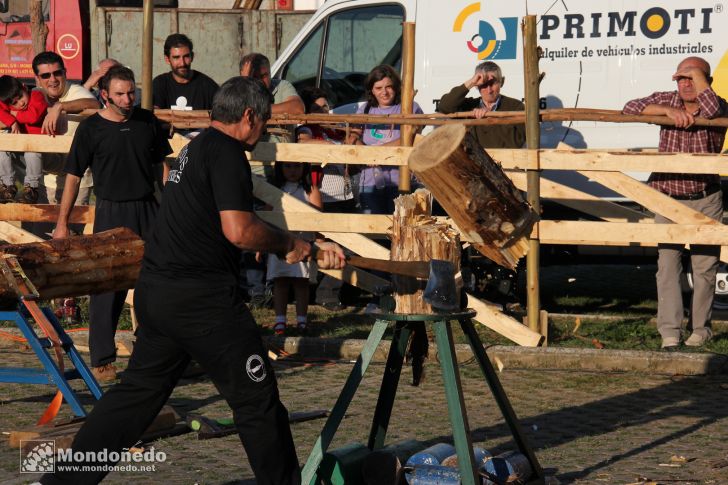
<point x="68" y="46"/>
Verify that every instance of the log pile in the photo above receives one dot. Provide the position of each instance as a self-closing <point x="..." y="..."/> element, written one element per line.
<point x="475" y="192"/>
<point x="417" y="236"/>
<point x="78" y="265"/>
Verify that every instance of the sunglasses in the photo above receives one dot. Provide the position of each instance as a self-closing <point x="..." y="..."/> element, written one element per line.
<point x="57" y="73"/>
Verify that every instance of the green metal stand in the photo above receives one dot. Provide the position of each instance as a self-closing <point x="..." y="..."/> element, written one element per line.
<point x="404" y="325"/>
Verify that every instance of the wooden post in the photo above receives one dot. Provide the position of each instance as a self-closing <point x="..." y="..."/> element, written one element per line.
<point x="417" y="236"/>
<point x="530" y="61"/>
<point x="147" y="52"/>
<point x="408" y="94"/>
<point x="475" y="192"/>
<point x="38" y="27"/>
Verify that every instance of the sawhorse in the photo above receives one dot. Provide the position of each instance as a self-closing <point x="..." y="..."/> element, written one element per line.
<point x="56" y="339"/>
<point x="404" y="325"/>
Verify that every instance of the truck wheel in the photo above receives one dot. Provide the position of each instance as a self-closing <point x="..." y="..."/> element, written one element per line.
<point x="720" y="302"/>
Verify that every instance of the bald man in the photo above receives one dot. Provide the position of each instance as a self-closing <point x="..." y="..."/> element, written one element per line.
<point x="694" y="98"/>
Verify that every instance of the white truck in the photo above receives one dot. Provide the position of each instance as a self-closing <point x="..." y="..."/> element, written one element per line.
<point x="596" y="54"/>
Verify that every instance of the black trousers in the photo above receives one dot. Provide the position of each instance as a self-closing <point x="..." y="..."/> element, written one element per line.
<point x="214" y="327"/>
<point x="105" y="308"/>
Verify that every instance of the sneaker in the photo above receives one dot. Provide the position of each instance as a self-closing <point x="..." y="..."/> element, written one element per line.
<point x="29" y="195"/>
<point x="104" y="373"/>
<point x="698" y="340"/>
<point x="7" y="193"/>
<point x="670" y="344"/>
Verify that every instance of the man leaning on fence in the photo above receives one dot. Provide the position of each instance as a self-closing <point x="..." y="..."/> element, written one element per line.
<point x="694" y="98"/>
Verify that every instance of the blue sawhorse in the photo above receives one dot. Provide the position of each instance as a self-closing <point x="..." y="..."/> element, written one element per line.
<point x="404" y="326"/>
<point x="51" y="373"/>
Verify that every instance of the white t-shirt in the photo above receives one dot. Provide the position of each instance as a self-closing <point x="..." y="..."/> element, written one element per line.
<point x="66" y="126"/>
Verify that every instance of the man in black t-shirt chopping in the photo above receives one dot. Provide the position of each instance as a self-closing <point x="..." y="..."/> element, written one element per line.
<point x="121" y="144"/>
<point x="182" y="88"/>
<point x="189" y="304"/>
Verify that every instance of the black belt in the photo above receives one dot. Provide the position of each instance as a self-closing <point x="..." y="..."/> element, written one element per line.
<point x="709" y="190"/>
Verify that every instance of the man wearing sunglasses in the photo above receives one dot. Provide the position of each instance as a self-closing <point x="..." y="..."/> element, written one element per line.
<point x="489" y="80"/>
<point x="64" y="98"/>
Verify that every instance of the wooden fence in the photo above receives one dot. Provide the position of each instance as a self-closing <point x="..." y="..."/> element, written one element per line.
<point x="619" y="225"/>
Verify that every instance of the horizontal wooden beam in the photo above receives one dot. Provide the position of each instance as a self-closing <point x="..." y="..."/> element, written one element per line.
<point x="80" y="214"/>
<point x="514" y="159"/>
<point x="626" y="233"/>
<point x="614" y="161"/>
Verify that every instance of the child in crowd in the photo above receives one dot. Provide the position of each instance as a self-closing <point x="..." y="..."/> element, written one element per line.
<point x="336" y="188"/>
<point x="378" y="185"/>
<point x="294" y="179"/>
<point x="21" y="111"/>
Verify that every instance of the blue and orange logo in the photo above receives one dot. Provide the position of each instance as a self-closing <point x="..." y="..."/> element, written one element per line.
<point x="489" y="43"/>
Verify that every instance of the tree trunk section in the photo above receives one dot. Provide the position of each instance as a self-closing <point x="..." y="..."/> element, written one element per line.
<point x="78" y="265"/>
<point x="38" y="27"/>
<point x="475" y="192"/>
<point x="417" y="236"/>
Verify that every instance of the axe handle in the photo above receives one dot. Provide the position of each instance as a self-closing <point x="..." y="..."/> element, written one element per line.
<point x="414" y="269"/>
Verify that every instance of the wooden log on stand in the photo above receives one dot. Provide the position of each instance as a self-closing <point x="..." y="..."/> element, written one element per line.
<point x="417" y="236"/>
<point x="475" y="192"/>
<point x="78" y="265"/>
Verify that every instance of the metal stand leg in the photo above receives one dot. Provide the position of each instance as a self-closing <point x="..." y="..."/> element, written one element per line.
<point x="51" y="373"/>
<point x="455" y="403"/>
<point x="388" y="390"/>
<point x="501" y="399"/>
<point x="342" y="403"/>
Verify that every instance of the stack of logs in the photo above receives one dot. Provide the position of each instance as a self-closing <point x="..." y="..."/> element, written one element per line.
<point x="78" y="265"/>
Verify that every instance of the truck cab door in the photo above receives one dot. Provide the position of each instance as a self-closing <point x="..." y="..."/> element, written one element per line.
<point x="340" y="51"/>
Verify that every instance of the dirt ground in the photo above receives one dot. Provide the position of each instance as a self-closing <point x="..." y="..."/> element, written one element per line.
<point x="585" y="427"/>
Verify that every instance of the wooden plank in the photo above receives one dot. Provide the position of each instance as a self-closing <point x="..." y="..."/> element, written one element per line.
<point x="364" y="155"/>
<point x="491" y="316"/>
<point x="352" y="154"/>
<point x="281" y="201"/>
<point x="623" y="233"/>
<point x="15" y="235"/>
<point x="653" y="200"/>
<point x="35" y="143"/>
<point x="613" y="160"/>
<point x="328" y="222"/>
<point x="581" y="201"/>
<point x="59" y="144"/>
<point x="80" y="214"/>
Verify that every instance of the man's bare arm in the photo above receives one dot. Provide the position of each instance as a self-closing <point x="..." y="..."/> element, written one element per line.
<point x="246" y="231"/>
<point x="70" y="192"/>
<point x="78" y="105"/>
<point x="292" y="105"/>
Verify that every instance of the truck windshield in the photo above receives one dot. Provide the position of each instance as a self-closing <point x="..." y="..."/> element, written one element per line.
<point x="356" y="40"/>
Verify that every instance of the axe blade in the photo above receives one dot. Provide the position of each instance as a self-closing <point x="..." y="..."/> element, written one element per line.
<point x="441" y="290"/>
